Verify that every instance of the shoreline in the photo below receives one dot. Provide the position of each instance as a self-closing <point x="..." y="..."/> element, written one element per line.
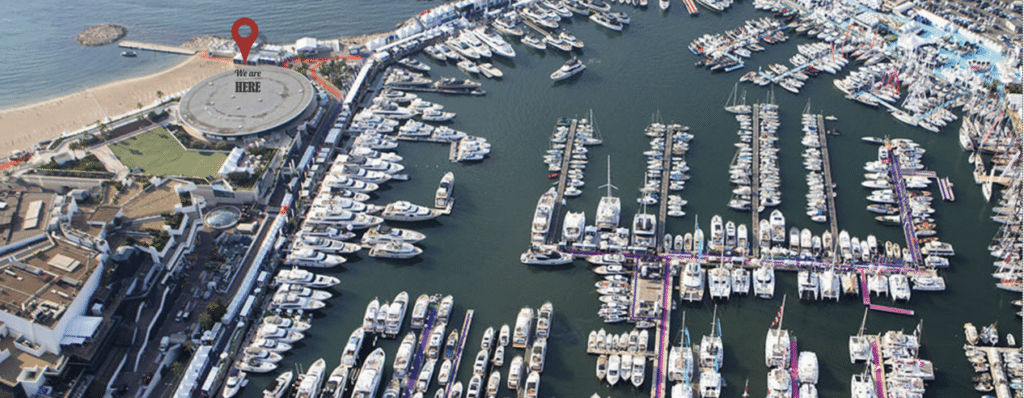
<point x="50" y="118"/>
<point x="26" y="125"/>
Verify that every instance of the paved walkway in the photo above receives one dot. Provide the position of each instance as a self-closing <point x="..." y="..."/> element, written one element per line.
<point x="111" y="162"/>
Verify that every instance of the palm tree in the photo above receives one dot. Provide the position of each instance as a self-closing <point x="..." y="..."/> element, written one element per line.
<point x="159" y="94"/>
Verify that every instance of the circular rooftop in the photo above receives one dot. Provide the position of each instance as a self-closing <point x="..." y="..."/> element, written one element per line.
<point x="214" y="107"/>
<point x="223" y="217"/>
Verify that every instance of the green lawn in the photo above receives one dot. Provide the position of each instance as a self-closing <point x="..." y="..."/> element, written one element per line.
<point x="158" y="153"/>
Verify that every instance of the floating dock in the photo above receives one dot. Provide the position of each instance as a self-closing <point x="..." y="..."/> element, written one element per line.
<point x="829" y="188"/>
<point x="666" y="166"/>
<point x="755" y="179"/>
<point x="690" y="7"/>
<point x="794" y="367"/>
<point x="556" y="211"/>
<point x="878" y="369"/>
<point x="662" y="334"/>
<point x="946" y="189"/>
<point x="421" y="352"/>
<point x="155" y="47"/>
<point x="900" y="188"/>
<point x="458" y="353"/>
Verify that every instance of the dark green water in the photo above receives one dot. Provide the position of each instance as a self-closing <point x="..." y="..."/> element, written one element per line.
<point x="473" y="254"/>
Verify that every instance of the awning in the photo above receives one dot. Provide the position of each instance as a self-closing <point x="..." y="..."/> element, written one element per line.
<point x="81" y="329"/>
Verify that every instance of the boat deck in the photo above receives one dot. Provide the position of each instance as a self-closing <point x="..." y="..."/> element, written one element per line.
<point x="556" y="210"/>
<point x="829" y="188"/>
<point x="458" y="352"/>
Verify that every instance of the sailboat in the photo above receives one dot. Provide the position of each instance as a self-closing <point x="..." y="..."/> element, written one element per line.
<point x="860" y="346"/>
<point x="776" y="350"/>
<point x="742" y="108"/>
<point x="609" y="208"/>
<point x="745" y="385"/>
<point x="711" y="352"/>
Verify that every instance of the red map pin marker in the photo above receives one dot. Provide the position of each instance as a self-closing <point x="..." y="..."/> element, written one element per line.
<point x="244" y="43"/>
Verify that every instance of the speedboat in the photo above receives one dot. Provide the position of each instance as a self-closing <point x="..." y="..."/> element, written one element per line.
<point x="279" y="386"/>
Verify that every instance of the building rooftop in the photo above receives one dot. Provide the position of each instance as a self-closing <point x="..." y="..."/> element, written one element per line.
<point x="40" y="283"/>
<point x="11" y="367"/>
<point x="213" y="106"/>
<point x="24" y="215"/>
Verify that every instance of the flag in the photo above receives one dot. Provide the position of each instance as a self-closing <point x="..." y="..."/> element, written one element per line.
<point x="778" y="316"/>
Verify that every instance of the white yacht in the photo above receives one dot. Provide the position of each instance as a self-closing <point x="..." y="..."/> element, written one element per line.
<point x="613" y="369"/>
<point x="369" y="376"/>
<point x="350" y="354"/>
<point x="545" y="255"/>
<point x="515" y="372"/>
<point x="538" y="352"/>
<point x="521" y="331"/>
<point x="443" y="195"/>
<point x="403" y="357"/>
<point x="396" y="315"/>
<point x="235" y="382"/>
<point x="741" y="280"/>
<point x="337" y="181"/>
<point x="312" y="258"/>
<point x="808" y="284"/>
<point x="544" y="316"/>
<point x="692" y="283"/>
<point x="279" y="386"/>
<point x="573" y="225"/>
<point x="406" y="211"/>
<point x="291" y="301"/>
<point x="342" y="218"/>
<point x="807" y="367"/>
<point x="371" y="315"/>
<point x="764" y="281"/>
<point x="383" y="233"/>
<point x="324" y="245"/>
<point x="309" y="384"/>
<point x="569" y="69"/>
<point x="395" y="249"/>
<point x="719" y="282"/>
<point x="542" y="216"/>
<point x="780" y="383"/>
<point x="296" y="276"/>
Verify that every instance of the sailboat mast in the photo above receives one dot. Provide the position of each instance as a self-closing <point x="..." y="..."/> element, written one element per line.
<point x="862" y="322"/>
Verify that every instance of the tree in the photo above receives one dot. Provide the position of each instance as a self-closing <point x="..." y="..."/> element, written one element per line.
<point x="178" y="368"/>
<point x="221" y="146"/>
<point x="159" y="95"/>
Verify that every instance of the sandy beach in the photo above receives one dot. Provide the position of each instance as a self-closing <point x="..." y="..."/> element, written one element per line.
<point x="23" y="127"/>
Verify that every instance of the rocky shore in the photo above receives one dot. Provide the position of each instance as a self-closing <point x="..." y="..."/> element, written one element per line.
<point x="101" y="35"/>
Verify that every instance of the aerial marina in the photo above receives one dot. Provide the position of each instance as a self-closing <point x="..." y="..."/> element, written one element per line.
<point x="637" y="263"/>
<point x="358" y="268"/>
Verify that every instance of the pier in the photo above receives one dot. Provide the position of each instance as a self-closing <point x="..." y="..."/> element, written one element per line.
<point x="755" y="177"/>
<point x="946" y="189"/>
<point x="690" y="7"/>
<point x="830" y="193"/>
<point x="878" y="369"/>
<point x="662" y="335"/>
<point x="421" y="352"/>
<point x="666" y="164"/>
<point x="458" y="352"/>
<point x="556" y="210"/>
<point x="794" y="367"/>
<point x="906" y="218"/>
<point x="155" y="47"/>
